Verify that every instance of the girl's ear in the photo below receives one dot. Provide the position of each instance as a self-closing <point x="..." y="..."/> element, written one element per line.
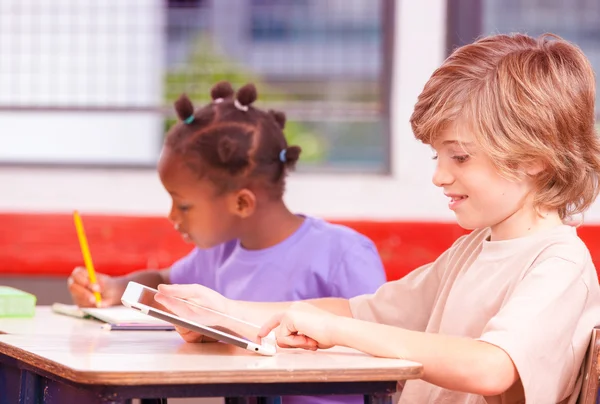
<point x="242" y="203"/>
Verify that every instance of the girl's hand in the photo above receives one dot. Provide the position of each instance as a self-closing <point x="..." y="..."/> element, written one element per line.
<point x="302" y="326"/>
<point x="82" y="290"/>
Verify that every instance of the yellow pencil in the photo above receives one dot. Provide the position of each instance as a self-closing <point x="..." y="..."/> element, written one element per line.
<point x="85" y="250"/>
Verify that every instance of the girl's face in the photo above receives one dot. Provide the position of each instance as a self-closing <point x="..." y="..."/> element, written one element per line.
<point x="479" y="196"/>
<point x="202" y="215"/>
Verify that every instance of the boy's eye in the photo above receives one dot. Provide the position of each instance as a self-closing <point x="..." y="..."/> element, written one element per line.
<point x="183" y="208"/>
<point x="462" y="158"/>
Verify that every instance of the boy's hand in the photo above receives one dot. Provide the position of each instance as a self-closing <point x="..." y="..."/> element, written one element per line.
<point x="82" y="291"/>
<point x="301" y="326"/>
<point x="198" y="294"/>
<point x="192" y="336"/>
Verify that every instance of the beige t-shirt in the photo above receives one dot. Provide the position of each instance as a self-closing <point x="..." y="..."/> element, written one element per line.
<point x="536" y="297"/>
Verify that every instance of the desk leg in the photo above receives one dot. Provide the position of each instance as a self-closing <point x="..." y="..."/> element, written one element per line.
<point x="31" y="388"/>
<point x="268" y="400"/>
<point x="378" y="399"/>
<point x="37" y="389"/>
<point x="237" y="400"/>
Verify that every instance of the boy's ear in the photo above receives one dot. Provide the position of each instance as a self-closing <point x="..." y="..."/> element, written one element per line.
<point x="243" y="203"/>
<point x="535" y="167"/>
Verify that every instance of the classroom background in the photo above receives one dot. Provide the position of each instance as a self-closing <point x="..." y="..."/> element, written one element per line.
<point x="86" y="92"/>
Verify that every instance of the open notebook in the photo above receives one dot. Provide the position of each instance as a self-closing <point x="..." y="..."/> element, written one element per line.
<point x="116" y="318"/>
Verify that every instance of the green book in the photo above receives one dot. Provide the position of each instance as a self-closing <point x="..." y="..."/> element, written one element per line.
<point x="16" y="303"/>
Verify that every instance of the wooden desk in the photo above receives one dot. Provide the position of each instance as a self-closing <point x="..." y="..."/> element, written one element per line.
<point x="57" y="359"/>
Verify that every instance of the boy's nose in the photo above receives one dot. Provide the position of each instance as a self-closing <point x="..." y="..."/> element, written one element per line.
<point x="442" y="177"/>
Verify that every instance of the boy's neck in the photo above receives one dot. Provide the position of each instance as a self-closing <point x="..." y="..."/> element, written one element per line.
<point x="270" y="225"/>
<point x="525" y="223"/>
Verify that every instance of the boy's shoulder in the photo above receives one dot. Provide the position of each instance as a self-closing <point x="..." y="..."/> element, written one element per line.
<point x="559" y="242"/>
<point x="566" y="245"/>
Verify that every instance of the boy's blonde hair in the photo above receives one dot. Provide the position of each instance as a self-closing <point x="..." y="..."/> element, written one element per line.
<point x="527" y="101"/>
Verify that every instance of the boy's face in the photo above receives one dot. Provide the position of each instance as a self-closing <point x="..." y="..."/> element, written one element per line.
<point x="199" y="213"/>
<point x="479" y="196"/>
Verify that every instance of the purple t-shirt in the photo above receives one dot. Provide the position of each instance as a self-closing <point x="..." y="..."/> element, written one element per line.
<point x="319" y="260"/>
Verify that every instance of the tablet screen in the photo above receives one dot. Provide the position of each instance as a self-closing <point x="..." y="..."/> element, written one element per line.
<point x="201" y="315"/>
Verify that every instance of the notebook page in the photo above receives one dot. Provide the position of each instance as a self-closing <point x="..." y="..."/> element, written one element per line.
<point x="121" y="314"/>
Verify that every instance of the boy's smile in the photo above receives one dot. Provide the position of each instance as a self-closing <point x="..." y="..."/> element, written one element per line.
<point x="455" y="200"/>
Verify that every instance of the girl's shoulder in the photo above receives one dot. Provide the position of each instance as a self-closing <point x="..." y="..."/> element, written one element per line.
<point x="336" y="235"/>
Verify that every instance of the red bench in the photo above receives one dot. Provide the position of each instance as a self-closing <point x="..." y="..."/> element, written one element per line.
<point x="46" y="244"/>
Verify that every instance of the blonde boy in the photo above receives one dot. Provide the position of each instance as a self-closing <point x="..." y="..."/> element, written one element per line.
<point x="505" y="315"/>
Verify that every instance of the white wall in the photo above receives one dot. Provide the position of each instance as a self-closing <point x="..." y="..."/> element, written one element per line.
<point x="405" y="195"/>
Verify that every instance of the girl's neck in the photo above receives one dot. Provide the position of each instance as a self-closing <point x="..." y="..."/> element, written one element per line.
<point x="270" y="225"/>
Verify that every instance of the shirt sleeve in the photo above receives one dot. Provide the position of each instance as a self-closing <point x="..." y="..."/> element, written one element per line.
<point x="407" y="302"/>
<point x="359" y="271"/>
<point x="536" y="326"/>
<point x="186" y="270"/>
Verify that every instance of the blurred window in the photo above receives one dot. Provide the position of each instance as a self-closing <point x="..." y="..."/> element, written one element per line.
<point x="92" y="82"/>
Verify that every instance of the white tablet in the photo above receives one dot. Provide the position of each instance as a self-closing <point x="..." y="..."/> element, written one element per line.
<point x="210" y="323"/>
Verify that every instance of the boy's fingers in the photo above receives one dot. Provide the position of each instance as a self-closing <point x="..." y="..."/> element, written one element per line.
<point x="181" y="291"/>
<point x="163" y="300"/>
<point x="181" y="330"/>
<point x="297" y="341"/>
<point x="176" y="306"/>
<point x="188" y="335"/>
<point x="270" y="325"/>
